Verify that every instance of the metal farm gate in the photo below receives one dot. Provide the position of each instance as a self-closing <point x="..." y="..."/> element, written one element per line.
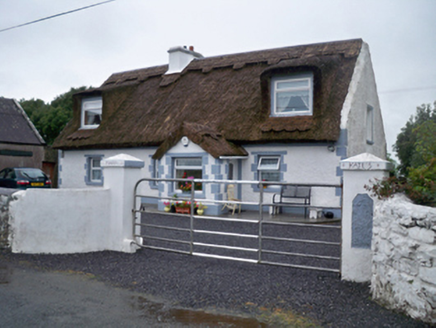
<point x="249" y="236"/>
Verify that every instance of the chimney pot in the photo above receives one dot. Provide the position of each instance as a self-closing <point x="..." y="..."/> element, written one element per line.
<point x="191" y="48"/>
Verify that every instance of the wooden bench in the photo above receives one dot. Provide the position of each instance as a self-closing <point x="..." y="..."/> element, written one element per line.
<point x="292" y="196"/>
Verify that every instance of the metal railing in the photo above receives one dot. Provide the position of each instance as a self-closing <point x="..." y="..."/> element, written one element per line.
<point x="141" y="228"/>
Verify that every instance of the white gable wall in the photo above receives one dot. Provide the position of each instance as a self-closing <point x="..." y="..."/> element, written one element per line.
<point x="361" y="93"/>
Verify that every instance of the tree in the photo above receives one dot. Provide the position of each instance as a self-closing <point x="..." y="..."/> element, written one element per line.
<point x="416" y="138"/>
<point x="49" y="119"/>
<point x="416" y="149"/>
<point x="35" y="109"/>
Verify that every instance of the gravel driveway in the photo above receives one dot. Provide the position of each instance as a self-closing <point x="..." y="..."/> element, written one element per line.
<point x="197" y="282"/>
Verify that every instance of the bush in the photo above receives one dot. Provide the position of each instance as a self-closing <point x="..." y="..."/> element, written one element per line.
<point x="423" y="184"/>
<point x="419" y="186"/>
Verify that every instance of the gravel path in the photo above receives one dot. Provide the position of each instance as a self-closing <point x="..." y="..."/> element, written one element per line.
<point x="196" y="282"/>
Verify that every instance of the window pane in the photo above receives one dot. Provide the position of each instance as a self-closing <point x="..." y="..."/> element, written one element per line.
<point x="268" y="163"/>
<point x="189" y="174"/>
<point x="95" y="162"/>
<point x="292" y="101"/>
<point x="92" y="118"/>
<point x="32" y="173"/>
<point x="269" y="175"/>
<point x="95" y="175"/>
<point x="195" y="161"/>
<point x="369" y="123"/>
<point x="293" y="84"/>
<point x="89" y="105"/>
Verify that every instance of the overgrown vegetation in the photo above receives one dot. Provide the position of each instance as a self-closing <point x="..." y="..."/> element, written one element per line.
<point x="50" y="118"/>
<point x="416" y="150"/>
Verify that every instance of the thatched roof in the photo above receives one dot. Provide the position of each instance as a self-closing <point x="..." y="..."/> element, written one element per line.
<point x="15" y="126"/>
<point x="222" y="102"/>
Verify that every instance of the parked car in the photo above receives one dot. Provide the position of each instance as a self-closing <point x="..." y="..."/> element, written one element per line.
<point x="23" y="178"/>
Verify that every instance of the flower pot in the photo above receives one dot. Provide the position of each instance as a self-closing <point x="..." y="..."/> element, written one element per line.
<point x="200" y="211"/>
<point x="167" y="209"/>
<point x="183" y="210"/>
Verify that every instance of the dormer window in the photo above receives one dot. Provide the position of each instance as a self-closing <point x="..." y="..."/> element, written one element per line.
<point x="292" y="95"/>
<point x="91" y="112"/>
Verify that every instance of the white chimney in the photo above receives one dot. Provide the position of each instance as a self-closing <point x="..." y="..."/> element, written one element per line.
<point x="180" y="57"/>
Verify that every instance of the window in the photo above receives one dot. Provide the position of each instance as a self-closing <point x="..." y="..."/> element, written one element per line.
<point x="269" y="168"/>
<point x="91" y="113"/>
<point x="369" y="125"/>
<point x="230" y="176"/>
<point x="94" y="172"/>
<point x="188" y="168"/>
<point x="155" y="172"/>
<point x="292" y="95"/>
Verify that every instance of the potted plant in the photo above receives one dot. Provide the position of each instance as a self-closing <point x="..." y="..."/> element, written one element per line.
<point x="183" y="207"/>
<point x="200" y="209"/>
<point x="173" y="206"/>
<point x="167" y="207"/>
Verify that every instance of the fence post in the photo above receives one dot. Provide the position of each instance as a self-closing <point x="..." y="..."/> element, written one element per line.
<point x="357" y="214"/>
<point x="121" y="172"/>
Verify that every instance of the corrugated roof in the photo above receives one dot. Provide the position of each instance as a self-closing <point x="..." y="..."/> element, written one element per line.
<point x="226" y="94"/>
<point x="15" y="126"/>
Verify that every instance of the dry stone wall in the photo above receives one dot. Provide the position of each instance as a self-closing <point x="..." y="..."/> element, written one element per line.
<point x="404" y="257"/>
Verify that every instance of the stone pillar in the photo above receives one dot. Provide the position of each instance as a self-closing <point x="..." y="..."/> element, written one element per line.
<point x="357" y="214"/>
<point x="121" y="172"/>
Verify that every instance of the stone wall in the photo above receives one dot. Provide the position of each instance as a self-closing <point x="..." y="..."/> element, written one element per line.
<point x="404" y="257"/>
<point x="5" y="197"/>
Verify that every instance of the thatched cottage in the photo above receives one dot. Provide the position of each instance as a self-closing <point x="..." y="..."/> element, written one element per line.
<point x="287" y="114"/>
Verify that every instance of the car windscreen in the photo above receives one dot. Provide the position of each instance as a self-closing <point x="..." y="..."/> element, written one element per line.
<point x="31" y="173"/>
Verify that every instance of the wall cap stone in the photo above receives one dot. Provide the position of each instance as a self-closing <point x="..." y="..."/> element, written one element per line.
<point x="366" y="162"/>
<point x="122" y="160"/>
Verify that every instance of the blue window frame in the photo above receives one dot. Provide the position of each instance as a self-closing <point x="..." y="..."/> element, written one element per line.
<point x="94" y="172"/>
<point x="269" y="168"/>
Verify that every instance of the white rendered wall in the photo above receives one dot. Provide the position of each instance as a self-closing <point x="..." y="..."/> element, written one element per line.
<point x="72" y="170"/>
<point x="78" y="220"/>
<point x="305" y="164"/>
<point x="362" y="92"/>
<point x="60" y="220"/>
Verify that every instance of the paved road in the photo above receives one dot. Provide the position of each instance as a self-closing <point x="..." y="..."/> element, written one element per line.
<point x="44" y="299"/>
<point x="30" y="298"/>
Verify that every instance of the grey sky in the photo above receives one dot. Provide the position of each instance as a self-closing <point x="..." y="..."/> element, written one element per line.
<point x="46" y="59"/>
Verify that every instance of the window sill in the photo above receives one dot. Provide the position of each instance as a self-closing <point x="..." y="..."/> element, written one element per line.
<point x="89" y="127"/>
<point x="90" y="183"/>
<point x="291" y="114"/>
<point x="272" y="189"/>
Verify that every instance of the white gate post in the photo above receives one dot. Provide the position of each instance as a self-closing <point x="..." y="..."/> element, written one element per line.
<point x="121" y="172"/>
<point x="357" y="214"/>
